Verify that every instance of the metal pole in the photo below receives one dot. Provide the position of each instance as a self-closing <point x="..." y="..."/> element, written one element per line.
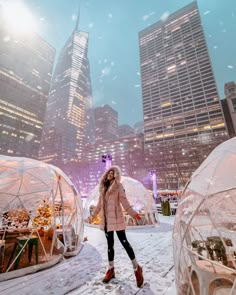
<point x="154" y="183"/>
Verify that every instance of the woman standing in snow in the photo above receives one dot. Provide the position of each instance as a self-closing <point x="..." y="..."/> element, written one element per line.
<point x="112" y="196"/>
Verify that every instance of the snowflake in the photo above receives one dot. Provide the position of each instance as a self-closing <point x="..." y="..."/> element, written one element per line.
<point x="29" y="137"/>
<point x="145" y="17"/>
<point x="106" y="71"/>
<point x="6" y="39"/>
<point x="165" y="16"/>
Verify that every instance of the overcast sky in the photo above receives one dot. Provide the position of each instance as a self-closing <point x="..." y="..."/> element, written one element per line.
<point x="113" y="27"/>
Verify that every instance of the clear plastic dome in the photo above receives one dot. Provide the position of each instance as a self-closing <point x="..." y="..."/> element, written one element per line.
<point x="41" y="216"/>
<point x="138" y="196"/>
<point x="205" y="227"/>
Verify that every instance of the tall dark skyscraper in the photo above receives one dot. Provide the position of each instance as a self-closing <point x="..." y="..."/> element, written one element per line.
<point x="26" y="62"/>
<point x="183" y="119"/>
<point x="229" y="104"/>
<point x="69" y="122"/>
<point x="106" y="122"/>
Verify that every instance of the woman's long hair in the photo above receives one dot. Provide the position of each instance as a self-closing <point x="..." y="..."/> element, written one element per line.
<point x="106" y="184"/>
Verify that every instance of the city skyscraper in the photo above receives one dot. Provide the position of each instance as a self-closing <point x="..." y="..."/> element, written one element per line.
<point x="125" y="130"/>
<point x="106" y="122"/>
<point x="228" y="117"/>
<point x="229" y="106"/>
<point x="69" y="121"/>
<point x="138" y="127"/>
<point x="26" y="62"/>
<point x="183" y="119"/>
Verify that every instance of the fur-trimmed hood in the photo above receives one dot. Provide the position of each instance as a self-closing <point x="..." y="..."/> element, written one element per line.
<point x="117" y="175"/>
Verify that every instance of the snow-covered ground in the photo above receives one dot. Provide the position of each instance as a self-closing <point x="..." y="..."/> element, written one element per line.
<point x="83" y="274"/>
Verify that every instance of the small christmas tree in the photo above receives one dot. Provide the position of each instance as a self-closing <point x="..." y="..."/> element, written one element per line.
<point x="44" y="213"/>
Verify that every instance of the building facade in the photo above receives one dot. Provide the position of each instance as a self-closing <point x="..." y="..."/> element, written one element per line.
<point x="183" y="118"/>
<point x="139" y="127"/>
<point x="230" y="107"/>
<point x="106" y="122"/>
<point x="69" y="121"/>
<point x="228" y="118"/>
<point x="26" y="62"/>
<point x="125" y="130"/>
<point x="126" y="152"/>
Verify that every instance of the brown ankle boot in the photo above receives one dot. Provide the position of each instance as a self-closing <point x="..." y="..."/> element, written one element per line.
<point x="110" y="274"/>
<point x="139" y="276"/>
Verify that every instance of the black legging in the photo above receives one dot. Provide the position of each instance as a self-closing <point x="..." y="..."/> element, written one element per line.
<point x="110" y="243"/>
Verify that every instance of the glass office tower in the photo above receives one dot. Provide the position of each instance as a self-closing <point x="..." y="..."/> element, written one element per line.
<point x="69" y="121"/>
<point x="183" y="119"/>
<point x="26" y="62"/>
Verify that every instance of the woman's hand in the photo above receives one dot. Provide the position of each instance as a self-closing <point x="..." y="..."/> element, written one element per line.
<point x="137" y="217"/>
<point x="90" y="219"/>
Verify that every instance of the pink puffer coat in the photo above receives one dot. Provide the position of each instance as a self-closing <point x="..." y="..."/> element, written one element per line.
<point x="115" y="197"/>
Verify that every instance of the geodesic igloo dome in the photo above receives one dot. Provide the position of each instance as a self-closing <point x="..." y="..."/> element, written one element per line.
<point x="205" y="227"/>
<point x="138" y="196"/>
<point x="41" y="216"/>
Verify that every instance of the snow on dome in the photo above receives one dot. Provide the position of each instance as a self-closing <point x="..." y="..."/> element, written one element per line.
<point x="205" y="226"/>
<point x="41" y="216"/>
<point x="138" y="196"/>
